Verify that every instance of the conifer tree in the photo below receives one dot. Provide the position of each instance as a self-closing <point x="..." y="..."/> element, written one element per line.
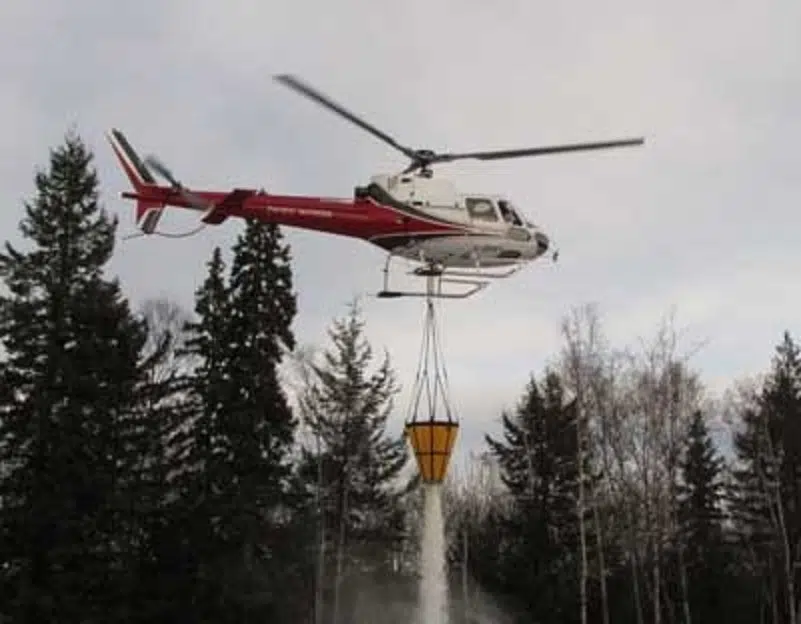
<point x="203" y="449"/>
<point x="242" y="438"/>
<point x="162" y="585"/>
<point x="357" y="467"/>
<point x="701" y="521"/>
<point x="768" y="492"/>
<point x="70" y="371"/>
<point x="262" y="309"/>
<point x="259" y="423"/>
<point x="538" y="465"/>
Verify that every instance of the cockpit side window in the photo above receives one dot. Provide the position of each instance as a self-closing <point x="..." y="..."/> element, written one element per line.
<point x="508" y="213"/>
<point x="481" y="209"/>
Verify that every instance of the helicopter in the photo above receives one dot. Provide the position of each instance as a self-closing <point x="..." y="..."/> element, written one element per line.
<point x="459" y="238"/>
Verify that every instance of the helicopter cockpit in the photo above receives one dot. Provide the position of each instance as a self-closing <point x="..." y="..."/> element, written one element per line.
<point x="509" y="214"/>
<point x="489" y="210"/>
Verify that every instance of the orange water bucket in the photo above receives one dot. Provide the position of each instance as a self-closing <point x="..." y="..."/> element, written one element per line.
<point x="432" y="443"/>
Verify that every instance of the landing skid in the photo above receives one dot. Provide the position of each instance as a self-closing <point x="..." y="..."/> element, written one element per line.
<point x="437" y="275"/>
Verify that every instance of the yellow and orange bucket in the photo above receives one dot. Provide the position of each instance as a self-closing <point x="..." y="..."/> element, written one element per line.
<point x="432" y="443"/>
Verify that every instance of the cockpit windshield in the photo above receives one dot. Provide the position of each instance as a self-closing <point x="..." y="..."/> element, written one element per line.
<point x="509" y="213"/>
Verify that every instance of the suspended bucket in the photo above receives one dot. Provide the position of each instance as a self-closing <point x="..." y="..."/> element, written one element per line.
<point x="432" y="443"/>
<point x="431" y="427"/>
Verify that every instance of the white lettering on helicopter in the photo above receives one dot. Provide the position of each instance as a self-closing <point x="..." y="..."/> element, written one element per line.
<point x="300" y="212"/>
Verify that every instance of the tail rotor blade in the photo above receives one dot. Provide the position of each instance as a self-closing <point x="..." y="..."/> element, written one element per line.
<point x="161" y="169"/>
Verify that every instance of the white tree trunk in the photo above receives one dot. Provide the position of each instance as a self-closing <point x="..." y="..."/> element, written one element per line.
<point x="465" y="588"/>
<point x="599" y="544"/>
<point x="582" y="523"/>
<point x="340" y="552"/>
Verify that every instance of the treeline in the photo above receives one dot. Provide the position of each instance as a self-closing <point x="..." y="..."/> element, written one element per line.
<point x="153" y="469"/>
<point x="618" y="492"/>
<point x="158" y="465"/>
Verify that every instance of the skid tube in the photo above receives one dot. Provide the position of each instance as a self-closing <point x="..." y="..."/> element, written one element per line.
<point x="475" y="280"/>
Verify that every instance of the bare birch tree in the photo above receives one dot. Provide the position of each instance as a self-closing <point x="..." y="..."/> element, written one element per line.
<point x="470" y="493"/>
<point x="579" y="361"/>
<point x="299" y="377"/>
<point x="636" y="407"/>
<point x="663" y="394"/>
<point x="165" y="320"/>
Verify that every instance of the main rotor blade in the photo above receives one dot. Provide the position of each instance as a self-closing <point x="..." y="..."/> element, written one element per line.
<point x="297" y="85"/>
<point x="537" y="151"/>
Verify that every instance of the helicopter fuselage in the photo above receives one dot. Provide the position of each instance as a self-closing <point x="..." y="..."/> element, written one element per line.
<point x="411" y="216"/>
<point x="475" y="230"/>
<point x="416" y="233"/>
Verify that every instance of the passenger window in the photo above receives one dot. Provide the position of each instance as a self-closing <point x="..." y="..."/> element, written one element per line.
<point x="481" y="209"/>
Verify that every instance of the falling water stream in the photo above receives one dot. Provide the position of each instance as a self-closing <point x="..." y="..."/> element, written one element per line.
<point x="433" y="580"/>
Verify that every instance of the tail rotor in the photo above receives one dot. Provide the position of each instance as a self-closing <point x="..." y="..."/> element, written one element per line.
<point x="160" y="169"/>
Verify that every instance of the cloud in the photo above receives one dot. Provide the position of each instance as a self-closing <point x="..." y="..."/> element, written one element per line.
<point x="704" y="217"/>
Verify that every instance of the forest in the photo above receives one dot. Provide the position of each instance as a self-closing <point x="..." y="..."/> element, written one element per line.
<point x="168" y="465"/>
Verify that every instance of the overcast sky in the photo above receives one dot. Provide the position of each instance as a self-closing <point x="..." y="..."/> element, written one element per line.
<point x="705" y="218"/>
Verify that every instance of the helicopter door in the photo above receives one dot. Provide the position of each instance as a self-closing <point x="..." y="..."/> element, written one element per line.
<point x="508" y="213"/>
<point x="517" y="229"/>
<point x="482" y="211"/>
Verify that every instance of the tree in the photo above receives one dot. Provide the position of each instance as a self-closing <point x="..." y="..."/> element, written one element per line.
<point x="538" y="465"/>
<point x="475" y="501"/>
<point x="358" y="464"/>
<point x="202" y="448"/>
<point x="241" y="441"/>
<point x="581" y="372"/>
<point x="162" y="588"/>
<point x="768" y="503"/>
<point x="70" y="375"/>
<point x="259" y="424"/>
<point x="594" y="373"/>
<point x="701" y="522"/>
<point x="166" y="324"/>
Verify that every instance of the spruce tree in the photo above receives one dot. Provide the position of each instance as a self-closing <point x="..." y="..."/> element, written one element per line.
<point x="203" y="449"/>
<point x="538" y="464"/>
<point x="70" y="370"/>
<point x="162" y="586"/>
<point x="241" y="440"/>
<point x="701" y="521"/>
<point x="356" y="469"/>
<point x="259" y="424"/>
<point x="768" y="483"/>
<point x="262" y="309"/>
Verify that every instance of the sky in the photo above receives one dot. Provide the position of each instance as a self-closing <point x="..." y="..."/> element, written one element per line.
<point x="703" y="220"/>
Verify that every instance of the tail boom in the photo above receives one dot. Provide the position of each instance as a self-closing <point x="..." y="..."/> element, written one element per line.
<point x="363" y="218"/>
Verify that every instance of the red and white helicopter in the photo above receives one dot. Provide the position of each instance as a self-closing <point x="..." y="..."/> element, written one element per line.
<point x="468" y="239"/>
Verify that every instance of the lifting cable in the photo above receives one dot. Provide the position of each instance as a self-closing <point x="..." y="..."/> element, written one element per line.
<point x="431" y="378"/>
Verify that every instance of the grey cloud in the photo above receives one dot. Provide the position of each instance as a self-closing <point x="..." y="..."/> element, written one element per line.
<point x="703" y="217"/>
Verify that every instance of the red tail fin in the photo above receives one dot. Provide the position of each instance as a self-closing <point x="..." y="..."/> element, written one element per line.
<point x="148" y="211"/>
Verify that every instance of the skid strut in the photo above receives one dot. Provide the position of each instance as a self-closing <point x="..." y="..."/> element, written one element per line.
<point x="437" y="274"/>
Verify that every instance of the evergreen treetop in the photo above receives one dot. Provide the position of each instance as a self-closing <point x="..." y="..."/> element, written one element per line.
<point x="68" y="432"/>
<point x="348" y="406"/>
<point x="701" y="490"/>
